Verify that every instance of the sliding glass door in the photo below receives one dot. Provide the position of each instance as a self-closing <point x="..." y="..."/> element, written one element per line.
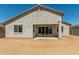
<point x="44" y="31"/>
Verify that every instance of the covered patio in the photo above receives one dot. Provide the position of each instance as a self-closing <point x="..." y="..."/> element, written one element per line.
<point x="45" y="30"/>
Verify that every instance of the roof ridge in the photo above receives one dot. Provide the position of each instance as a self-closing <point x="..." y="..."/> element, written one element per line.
<point x="51" y="8"/>
<point x="35" y="8"/>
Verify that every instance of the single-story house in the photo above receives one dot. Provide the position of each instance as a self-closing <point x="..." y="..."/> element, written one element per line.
<point x="39" y="21"/>
<point x="75" y="30"/>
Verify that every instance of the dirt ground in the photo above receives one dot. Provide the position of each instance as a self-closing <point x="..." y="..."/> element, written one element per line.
<point x="66" y="46"/>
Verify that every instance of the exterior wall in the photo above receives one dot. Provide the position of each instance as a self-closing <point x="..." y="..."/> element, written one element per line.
<point x="54" y="30"/>
<point x="59" y="27"/>
<point x="66" y="30"/>
<point x="36" y="17"/>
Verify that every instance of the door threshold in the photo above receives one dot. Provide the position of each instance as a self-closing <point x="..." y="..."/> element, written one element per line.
<point x="47" y="38"/>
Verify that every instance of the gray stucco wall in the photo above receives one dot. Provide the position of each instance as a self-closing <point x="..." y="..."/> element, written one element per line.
<point x="66" y="30"/>
<point x="36" y="17"/>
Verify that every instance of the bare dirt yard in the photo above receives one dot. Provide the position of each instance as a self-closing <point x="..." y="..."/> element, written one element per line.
<point x="66" y="46"/>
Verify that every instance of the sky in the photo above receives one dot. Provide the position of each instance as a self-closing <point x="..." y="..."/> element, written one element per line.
<point x="71" y="11"/>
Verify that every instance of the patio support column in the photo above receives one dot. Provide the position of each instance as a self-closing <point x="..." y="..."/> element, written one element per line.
<point x="59" y="27"/>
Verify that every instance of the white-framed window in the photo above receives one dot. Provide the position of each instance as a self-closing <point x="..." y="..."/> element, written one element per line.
<point x="18" y="28"/>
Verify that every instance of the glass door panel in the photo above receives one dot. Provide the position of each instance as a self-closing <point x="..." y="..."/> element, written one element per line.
<point x="44" y="31"/>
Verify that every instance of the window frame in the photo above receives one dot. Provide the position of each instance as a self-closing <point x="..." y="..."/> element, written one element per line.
<point x="18" y="28"/>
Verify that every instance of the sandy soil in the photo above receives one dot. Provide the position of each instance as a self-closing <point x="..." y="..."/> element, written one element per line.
<point x="66" y="46"/>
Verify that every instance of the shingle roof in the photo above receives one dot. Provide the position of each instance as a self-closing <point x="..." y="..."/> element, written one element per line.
<point x="66" y="23"/>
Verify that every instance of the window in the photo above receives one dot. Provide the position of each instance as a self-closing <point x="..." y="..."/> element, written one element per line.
<point x="62" y="28"/>
<point x="50" y="30"/>
<point x="17" y="28"/>
<point x="39" y="30"/>
<point x="43" y="30"/>
<point x="47" y="30"/>
<point x="57" y="29"/>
